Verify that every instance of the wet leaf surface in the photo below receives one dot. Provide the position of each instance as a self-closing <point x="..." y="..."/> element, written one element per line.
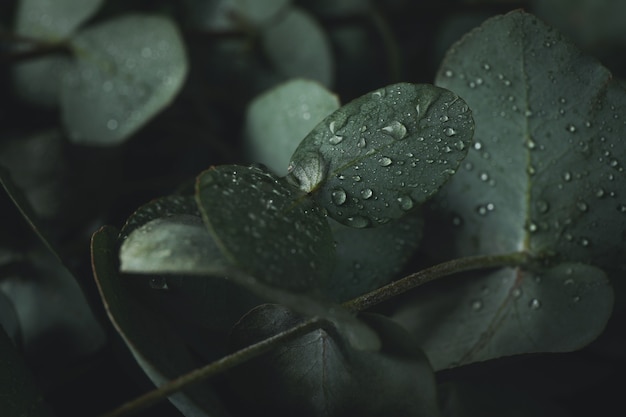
<point x="264" y="227"/>
<point x="542" y="176"/>
<point x="546" y="168"/>
<point x="384" y="153"/>
<point x="508" y="312"/>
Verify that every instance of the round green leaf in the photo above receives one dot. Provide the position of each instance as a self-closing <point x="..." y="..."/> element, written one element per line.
<point x="38" y="80"/>
<point x="277" y="120"/>
<point x="509" y="312"/>
<point x="297" y="46"/>
<point x="546" y="173"/>
<point x="319" y="374"/>
<point x="52" y="20"/>
<point x="126" y="71"/>
<point x="370" y="258"/>
<point x="265" y="227"/>
<point x="384" y="153"/>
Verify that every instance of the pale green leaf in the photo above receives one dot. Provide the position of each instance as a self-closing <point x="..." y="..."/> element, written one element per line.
<point x="126" y="71"/>
<point x="297" y="46"/>
<point x="277" y="120"/>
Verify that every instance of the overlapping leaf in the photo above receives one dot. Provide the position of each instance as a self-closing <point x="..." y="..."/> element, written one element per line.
<point x="384" y="153"/>
<point x="152" y="341"/>
<point x="543" y="176"/>
<point x="277" y="120"/>
<point x="262" y="226"/>
<point x="127" y="70"/>
<point x="319" y="374"/>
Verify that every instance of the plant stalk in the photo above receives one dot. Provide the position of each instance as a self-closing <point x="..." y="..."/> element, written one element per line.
<point x="416" y="279"/>
<point x="214" y="368"/>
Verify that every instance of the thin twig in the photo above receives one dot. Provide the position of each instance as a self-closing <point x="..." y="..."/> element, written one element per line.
<point x="227" y="362"/>
<point x="454" y="266"/>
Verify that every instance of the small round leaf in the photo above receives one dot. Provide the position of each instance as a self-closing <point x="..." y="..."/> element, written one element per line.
<point x="265" y="227"/>
<point x="127" y="70"/>
<point x="384" y="153"/>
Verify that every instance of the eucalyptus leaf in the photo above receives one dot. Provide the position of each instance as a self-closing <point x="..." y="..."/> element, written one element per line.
<point x="319" y="374"/>
<point x="589" y="22"/>
<point x="297" y="46"/>
<point x="176" y="244"/>
<point x="153" y="342"/>
<point x="277" y="120"/>
<point x="546" y="171"/>
<point x="52" y="20"/>
<point x="126" y="71"/>
<point x="38" y="80"/>
<point x="265" y="227"/>
<point x="509" y="312"/>
<point x="166" y="206"/>
<point x="19" y="395"/>
<point x="384" y="153"/>
<point x="370" y="258"/>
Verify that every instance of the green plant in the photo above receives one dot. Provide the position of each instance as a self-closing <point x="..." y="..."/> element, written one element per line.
<point x="290" y="287"/>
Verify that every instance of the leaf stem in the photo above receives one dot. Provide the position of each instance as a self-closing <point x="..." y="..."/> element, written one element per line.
<point x="214" y="368"/>
<point x="416" y="279"/>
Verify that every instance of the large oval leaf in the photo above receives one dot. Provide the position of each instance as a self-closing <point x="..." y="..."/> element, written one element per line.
<point x="547" y="170"/>
<point x="265" y="227"/>
<point x="384" y="153"/>
<point x="126" y="71"/>
<point x="319" y="374"/>
<point x="509" y="312"/>
<point x="538" y="179"/>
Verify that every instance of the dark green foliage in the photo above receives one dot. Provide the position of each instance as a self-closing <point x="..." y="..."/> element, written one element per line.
<point x="296" y="152"/>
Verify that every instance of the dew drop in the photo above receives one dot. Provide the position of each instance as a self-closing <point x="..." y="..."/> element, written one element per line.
<point x="358" y="222"/>
<point x="621" y="208"/>
<point x="484" y="176"/>
<point x="384" y="161"/>
<point x="477" y="305"/>
<point x="112" y="124"/>
<point x="335" y="140"/>
<point x="543" y="206"/>
<point x="478" y="146"/>
<point x="356" y="178"/>
<point x="367" y="193"/>
<point x="534" y="304"/>
<point x="448" y="131"/>
<point x="460" y="145"/>
<point x="582" y="206"/>
<point x="158" y="283"/>
<point x="361" y="143"/>
<point x="406" y="203"/>
<point x="448" y="73"/>
<point x="338" y="195"/>
<point x="396" y="130"/>
<point x="570" y="128"/>
<point x="567" y="176"/>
